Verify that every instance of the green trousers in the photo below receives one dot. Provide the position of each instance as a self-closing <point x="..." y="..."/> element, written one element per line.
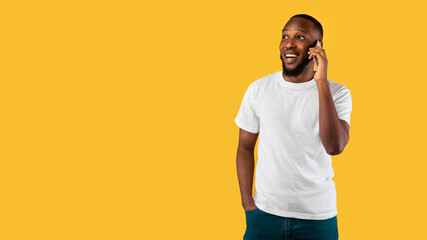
<point x="265" y="226"/>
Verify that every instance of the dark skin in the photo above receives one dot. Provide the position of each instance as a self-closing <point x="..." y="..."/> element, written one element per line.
<point x="298" y="37"/>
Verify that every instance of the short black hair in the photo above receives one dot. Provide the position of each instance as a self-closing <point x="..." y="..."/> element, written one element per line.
<point x="316" y="23"/>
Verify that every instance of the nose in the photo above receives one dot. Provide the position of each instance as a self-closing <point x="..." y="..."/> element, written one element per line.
<point x="290" y="43"/>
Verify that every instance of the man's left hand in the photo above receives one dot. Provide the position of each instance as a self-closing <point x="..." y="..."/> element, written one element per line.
<point x="322" y="63"/>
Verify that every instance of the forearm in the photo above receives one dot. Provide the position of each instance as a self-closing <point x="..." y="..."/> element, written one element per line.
<point x="245" y="163"/>
<point x="333" y="134"/>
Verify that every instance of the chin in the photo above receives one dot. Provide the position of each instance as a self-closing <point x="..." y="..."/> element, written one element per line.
<point x="299" y="67"/>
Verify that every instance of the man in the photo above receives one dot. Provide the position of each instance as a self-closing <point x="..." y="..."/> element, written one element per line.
<point x="302" y="118"/>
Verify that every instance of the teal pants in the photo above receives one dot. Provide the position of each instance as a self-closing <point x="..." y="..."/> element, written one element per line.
<point x="265" y="226"/>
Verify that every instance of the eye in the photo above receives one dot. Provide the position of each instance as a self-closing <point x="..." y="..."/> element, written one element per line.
<point x="285" y="37"/>
<point x="300" y="38"/>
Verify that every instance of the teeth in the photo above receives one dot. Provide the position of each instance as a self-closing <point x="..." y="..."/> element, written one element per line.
<point x="291" y="55"/>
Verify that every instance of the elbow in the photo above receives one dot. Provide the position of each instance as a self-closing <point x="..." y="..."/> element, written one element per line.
<point x="335" y="150"/>
<point x="336" y="147"/>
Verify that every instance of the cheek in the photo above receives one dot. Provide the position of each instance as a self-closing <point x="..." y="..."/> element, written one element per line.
<point x="305" y="51"/>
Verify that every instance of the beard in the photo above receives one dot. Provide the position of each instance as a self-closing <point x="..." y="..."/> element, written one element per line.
<point x="298" y="69"/>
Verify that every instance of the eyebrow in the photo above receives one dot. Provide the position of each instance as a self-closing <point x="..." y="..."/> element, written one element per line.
<point x="285" y="29"/>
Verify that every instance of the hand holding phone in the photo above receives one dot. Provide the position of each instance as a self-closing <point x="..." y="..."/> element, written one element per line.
<point x="317" y="45"/>
<point x="320" y="62"/>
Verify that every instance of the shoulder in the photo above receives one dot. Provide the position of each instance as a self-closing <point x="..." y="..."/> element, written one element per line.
<point x="337" y="89"/>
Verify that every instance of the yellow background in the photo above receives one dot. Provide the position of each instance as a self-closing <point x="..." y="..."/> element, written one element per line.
<point x="117" y="117"/>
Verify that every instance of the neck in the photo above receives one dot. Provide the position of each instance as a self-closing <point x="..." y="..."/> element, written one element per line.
<point x="304" y="76"/>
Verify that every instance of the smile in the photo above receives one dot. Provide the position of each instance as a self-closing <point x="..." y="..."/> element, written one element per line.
<point x="290" y="55"/>
<point x="290" y="58"/>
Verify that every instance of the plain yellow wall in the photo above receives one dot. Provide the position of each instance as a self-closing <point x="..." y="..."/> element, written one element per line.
<point x="117" y="117"/>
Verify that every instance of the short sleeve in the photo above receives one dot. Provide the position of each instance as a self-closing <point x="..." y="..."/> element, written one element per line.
<point x="343" y="105"/>
<point x="247" y="118"/>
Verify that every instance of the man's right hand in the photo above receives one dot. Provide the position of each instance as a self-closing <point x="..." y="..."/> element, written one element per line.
<point x="250" y="206"/>
<point x="245" y="162"/>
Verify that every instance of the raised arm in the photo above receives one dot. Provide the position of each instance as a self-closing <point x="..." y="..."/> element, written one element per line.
<point x="245" y="163"/>
<point x="334" y="132"/>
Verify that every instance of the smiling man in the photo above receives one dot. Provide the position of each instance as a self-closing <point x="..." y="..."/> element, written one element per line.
<point x="302" y="118"/>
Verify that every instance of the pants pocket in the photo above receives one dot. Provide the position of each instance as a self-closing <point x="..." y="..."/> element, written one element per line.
<point x="251" y="211"/>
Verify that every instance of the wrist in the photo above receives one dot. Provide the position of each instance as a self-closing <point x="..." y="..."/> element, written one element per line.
<point x="248" y="202"/>
<point x="322" y="82"/>
<point x="249" y="206"/>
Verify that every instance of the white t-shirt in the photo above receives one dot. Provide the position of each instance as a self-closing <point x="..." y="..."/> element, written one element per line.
<point x="294" y="173"/>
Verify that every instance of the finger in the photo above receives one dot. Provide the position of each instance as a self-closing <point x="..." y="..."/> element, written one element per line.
<point x="317" y="50"/>
<point x="317" y="47"/>
<point x="321" y="51"/>
<point x="313" y="53"/>
<point x="317" y="57"/>
<point x="320" y="54"/>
